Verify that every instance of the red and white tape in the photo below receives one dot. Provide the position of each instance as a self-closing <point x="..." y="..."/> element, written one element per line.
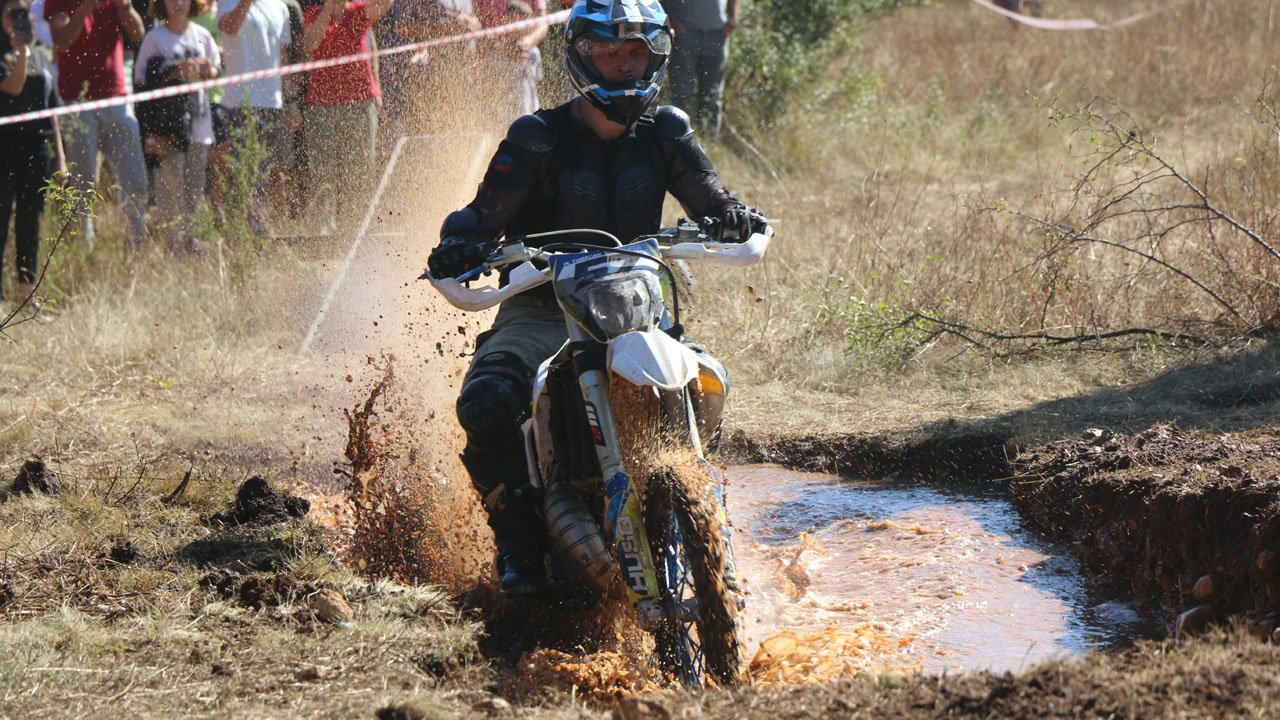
<point x="521" y="25"/>
<point x="1078" y="23"/>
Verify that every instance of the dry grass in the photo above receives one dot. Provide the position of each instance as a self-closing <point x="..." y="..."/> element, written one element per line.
<point x="906" y="173"/>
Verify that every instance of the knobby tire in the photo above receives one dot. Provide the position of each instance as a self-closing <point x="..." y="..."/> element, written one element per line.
<point x="689" y="554"/>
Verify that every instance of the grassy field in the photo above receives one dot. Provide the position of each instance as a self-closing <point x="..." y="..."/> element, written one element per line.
<point x="964" y="210"/>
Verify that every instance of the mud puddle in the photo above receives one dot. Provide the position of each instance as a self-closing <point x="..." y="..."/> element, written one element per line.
<point x="847" y="576"/>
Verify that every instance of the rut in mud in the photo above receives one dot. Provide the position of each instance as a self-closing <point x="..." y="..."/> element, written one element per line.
<point x="599" y="655"/>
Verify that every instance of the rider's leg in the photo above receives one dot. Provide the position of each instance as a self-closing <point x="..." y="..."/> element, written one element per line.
<point x="493" y="402"/>
<point x="490" y="408"/>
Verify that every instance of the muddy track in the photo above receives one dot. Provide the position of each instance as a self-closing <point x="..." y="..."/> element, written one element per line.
<point x="1186" y="519"/>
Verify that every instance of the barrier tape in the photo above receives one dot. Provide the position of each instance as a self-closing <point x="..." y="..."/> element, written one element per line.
<point x="1078" y="23"/>
<point x="552" y="19"/>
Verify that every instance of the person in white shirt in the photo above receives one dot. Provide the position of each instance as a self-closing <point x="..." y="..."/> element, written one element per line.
<point x="179" y="51"/>
<point x="256" y="36"/>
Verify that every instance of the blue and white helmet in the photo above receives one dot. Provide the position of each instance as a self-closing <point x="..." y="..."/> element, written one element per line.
<point x="593" y="22"/>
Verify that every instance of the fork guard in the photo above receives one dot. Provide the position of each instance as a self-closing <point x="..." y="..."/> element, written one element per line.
<point x="652" y="358"/>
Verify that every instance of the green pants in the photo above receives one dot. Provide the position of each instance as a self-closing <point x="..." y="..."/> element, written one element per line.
<point x="494" y="397"/>
<point x="531" y="329"/>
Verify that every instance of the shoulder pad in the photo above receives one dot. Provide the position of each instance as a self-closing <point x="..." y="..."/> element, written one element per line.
<point x="531" y="133"/>
<point x="671" y="122"/>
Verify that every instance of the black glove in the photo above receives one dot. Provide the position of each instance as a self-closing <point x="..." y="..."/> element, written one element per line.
<point x="454" y="256"/>
<point x="738" y="224"/>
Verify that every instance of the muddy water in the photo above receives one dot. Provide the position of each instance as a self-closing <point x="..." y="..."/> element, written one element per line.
<point x="851" y="576"/>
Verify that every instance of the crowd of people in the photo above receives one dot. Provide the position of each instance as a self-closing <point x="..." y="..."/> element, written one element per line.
<point x="323" y="131"/>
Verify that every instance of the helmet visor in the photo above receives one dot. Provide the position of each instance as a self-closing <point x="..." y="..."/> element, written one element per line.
<point x="599" y="45"/>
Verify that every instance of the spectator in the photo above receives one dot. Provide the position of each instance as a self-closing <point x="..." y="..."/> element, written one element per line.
<point x="40" y="25"/>
<point x="89" y="39"/>
<point x="518" y="66"/>
<point x="339" y="114"/>
<point x="410" y="90"/>
<point x="26" y="84"/>
<point x="701" y="52"/>
<point x="510" y="53"/>
<point x="256" y="35"/>
<point x="178" y="51"/>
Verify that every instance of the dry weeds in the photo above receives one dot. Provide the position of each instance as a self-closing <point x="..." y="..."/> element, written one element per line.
<point x="155" y="369"/>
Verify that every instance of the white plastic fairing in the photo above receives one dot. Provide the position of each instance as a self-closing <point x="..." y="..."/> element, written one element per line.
<point x="727" y="254"/>
<point x="652" y="358"/>
<point x="522" y="277"/>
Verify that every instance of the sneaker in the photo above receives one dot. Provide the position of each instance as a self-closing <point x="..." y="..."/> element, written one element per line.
<point x="520" y="574"/>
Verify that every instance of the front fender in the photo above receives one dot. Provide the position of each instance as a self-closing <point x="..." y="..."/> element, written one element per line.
<point x="652" y="358"/>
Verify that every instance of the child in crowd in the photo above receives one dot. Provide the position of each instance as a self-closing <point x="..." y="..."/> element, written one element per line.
<point x="26" y="157"/>
<point x="177" y="132"/>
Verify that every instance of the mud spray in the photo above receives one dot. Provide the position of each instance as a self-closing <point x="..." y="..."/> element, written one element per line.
<point x="406" y="510"/>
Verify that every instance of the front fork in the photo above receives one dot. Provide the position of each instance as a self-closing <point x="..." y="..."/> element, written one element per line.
<point x="623" y="510"/>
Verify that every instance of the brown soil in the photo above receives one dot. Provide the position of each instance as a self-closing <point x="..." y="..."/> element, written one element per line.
<point x="257" y="503"/>
<point x="1222" y="676"/>
<point x="1160" y="511"/>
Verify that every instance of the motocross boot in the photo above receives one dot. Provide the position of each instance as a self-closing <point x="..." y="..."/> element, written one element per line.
<point x="520" y="535"/>
<point x="520" y="573"/>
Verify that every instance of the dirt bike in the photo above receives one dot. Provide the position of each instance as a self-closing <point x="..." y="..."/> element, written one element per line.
<point x="620" y="422"/>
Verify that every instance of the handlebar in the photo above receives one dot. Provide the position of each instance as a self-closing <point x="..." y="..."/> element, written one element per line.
<point x="685" y="241"/>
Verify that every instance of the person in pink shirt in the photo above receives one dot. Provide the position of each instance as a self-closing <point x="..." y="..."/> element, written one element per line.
<point x="339" y="112"/>
<point x="504" y="60"/>
<point x="89" y="37"/>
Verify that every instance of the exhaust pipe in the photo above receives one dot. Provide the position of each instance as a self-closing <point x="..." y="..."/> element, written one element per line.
<point x="576" y="537"/>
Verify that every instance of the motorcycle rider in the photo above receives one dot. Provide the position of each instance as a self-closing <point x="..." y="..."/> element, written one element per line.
<point x="605" y="161"/>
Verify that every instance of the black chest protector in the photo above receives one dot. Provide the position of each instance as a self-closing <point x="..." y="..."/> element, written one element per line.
<point x="553" y="173"/>
<point x="617" y="185"/>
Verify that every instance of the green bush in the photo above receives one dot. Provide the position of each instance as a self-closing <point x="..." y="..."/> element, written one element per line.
<point x="781" y="45"/>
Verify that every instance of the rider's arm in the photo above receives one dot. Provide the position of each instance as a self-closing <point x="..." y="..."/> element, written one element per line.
<point x="514" y="171"/>
<point x="690" y="175"/>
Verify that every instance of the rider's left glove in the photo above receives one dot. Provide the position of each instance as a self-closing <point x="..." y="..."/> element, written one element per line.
<point x="454" y="256"/>
<point x="740" y="223"/>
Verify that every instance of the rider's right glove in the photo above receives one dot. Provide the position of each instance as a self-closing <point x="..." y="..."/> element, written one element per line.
<point x="454" y="256"/>
<point x="737" y="224"/>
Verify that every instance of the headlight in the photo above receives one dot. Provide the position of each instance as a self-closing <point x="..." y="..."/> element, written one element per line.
<point x="622" y="306"/>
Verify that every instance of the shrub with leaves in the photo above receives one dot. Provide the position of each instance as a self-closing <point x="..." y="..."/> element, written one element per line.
<point x="782" y="45"/>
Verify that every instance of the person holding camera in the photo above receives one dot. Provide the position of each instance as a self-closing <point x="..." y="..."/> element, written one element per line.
<point x="88" y="38"/>
<point x="178" y="130"/>
<point x="26" y="85"/>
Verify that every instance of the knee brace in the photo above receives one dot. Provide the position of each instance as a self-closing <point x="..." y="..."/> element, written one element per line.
<point x="493" y="400"/>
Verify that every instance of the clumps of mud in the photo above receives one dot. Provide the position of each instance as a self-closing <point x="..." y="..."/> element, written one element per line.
<point x="604" y="677"/>
<point x="1191" y="519"/>
<point x="257" y="591"/>
<point x="257" y="503"/>
<point x="36" y="477"/>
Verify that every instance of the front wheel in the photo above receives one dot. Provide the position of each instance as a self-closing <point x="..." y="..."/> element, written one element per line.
<point x="689" y="553"/>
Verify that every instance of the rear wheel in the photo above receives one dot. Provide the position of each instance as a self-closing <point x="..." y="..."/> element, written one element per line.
<point x="699" y="634"/>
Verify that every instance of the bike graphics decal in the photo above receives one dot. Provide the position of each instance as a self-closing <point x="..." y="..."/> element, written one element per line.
<point x="593" y="422"/>
<point x="571" y="270"/>
<point x="622" y="514"/>
<point x="629" y="554"/>
<point x="617" y="492"/>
